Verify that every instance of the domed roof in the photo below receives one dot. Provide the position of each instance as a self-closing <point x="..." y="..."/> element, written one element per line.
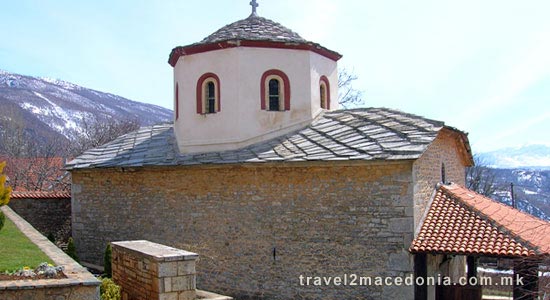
<point x="254" y="28"/>
<point x="254" y="31"/>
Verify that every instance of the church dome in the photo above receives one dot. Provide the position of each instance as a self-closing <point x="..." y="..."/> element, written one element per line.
<point x="254" y="31"/>
<point x="254" y="28"/>
<point x="249" y="81"/>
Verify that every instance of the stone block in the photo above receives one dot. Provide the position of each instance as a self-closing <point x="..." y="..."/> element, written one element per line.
<point x="399" y="261"/>
<point x="183" y="283"/>
<point x="168" y="269"/>
<point x="186" y="267"/>
<point x="401" y="225"/>
<point x="167" y="284"/>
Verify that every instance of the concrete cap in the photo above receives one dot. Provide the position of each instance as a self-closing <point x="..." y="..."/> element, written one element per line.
<point x="156" y="251"/>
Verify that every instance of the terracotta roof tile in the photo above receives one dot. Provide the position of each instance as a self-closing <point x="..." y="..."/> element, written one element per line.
<point x="460" y="221"/>
<point x="40" y="195"/>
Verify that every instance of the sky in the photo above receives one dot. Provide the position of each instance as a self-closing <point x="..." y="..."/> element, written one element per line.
<point x="482" y="66"/>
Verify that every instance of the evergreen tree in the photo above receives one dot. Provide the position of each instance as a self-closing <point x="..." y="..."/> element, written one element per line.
<point x="71" y="250"/>
<point x="107" y="260"/>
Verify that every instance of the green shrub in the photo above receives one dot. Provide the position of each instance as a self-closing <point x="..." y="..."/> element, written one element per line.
<point x="107" y="260"/>
<point x="51" y="237"/>
<point x="109" y="290"/>
<point x="71" y="250"/>
<point x="2" y="220"/>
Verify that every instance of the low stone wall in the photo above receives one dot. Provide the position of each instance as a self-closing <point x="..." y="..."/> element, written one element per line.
<point x="47" y="215"/>
<point x="79" y="284"/>
<point x="150" y="271"/>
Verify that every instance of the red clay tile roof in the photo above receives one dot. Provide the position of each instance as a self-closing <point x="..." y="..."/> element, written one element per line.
<point x="39" y="195"/>
<point x="460" y="221"/>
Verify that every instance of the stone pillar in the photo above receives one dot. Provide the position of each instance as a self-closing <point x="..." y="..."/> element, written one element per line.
<point x="147" y="270"/>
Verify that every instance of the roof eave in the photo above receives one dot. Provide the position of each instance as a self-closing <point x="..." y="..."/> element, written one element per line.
<point x="201" y="48"/>
<point x="464" y="148"/>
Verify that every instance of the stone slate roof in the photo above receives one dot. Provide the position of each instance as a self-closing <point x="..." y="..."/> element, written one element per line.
<point x="254" y="28"/>
<point x="344" y="135"/>
<point x="460" y="221"/>
<point x="254" y="31"/>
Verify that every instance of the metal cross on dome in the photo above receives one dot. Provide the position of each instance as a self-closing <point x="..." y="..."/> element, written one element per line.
<point x="254" y="5"/>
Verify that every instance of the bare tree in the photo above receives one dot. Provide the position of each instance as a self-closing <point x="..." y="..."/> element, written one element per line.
<point x="34" y="162"/>
<point x="347" y="95"/>
<point x="95" y="134"/>
<point x="481" y="178"/>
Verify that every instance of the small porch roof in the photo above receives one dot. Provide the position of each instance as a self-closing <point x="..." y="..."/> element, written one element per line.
<point x="462" y="222"/>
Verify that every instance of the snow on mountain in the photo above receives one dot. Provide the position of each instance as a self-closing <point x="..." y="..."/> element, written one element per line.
<point x="531" y="190"/>
<point x="63" y="106"/>
<point x="529" y="156"/>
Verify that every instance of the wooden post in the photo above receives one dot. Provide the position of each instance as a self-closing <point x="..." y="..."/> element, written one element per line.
<point x="472" y="266"/>
<point x="420" y="270"/>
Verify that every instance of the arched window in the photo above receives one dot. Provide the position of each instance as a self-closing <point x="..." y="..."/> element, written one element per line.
<point x="177" y="102"/>
<point x="275" y="91"/>
<point x="208" y="94"/>
<point x="324" y="92"/>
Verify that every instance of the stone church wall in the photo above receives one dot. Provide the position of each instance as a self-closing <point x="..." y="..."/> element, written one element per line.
<point x="259" y="227"/>
<point x="427" y="171"/>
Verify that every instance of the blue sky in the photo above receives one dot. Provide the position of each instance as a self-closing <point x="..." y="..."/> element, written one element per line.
<point x="481" y="66"/>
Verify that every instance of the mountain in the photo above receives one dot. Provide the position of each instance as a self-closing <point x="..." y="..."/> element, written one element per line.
<point x="531" y="190"/>
<point x="50" y="108"/>
<point x="530" y="156"/>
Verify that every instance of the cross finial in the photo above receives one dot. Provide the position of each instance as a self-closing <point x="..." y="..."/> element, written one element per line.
<point x="254" y="5"/>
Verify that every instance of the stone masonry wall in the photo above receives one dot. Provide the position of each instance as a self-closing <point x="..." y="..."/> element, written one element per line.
<point x="258" y="228"/>
<point x="46" y="215"/>
<point x="149" y="271"/>
<point x="427" y="171"/>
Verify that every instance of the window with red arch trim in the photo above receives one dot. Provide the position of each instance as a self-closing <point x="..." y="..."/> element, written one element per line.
<point x="324" y="92"/>
<point x="208" y="94"/>
<point x="275" y="86"/>
<point x="177" y="104"/>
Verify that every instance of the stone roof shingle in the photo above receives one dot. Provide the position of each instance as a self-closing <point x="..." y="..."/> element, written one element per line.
<point x="356" y="134"/>
<point x="254" y="28"/>
<point x="460" y="221"/>
<point x="254" y="31"/>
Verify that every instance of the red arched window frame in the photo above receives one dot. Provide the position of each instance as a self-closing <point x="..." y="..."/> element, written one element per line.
<point x="268" y="75"/>
<point x="205" y="78"/>
<point x="324" y="81"/>
<point x="177" y="108"/>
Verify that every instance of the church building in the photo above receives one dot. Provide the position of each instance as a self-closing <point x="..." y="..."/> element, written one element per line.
<point x="265" y="178"/>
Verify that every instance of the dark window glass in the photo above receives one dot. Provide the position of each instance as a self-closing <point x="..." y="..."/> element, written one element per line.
<point x="443" y="175"/>
<point x="274" y="94"/>
<point x="210" y="97"/>
<point x="323" y="97"/>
